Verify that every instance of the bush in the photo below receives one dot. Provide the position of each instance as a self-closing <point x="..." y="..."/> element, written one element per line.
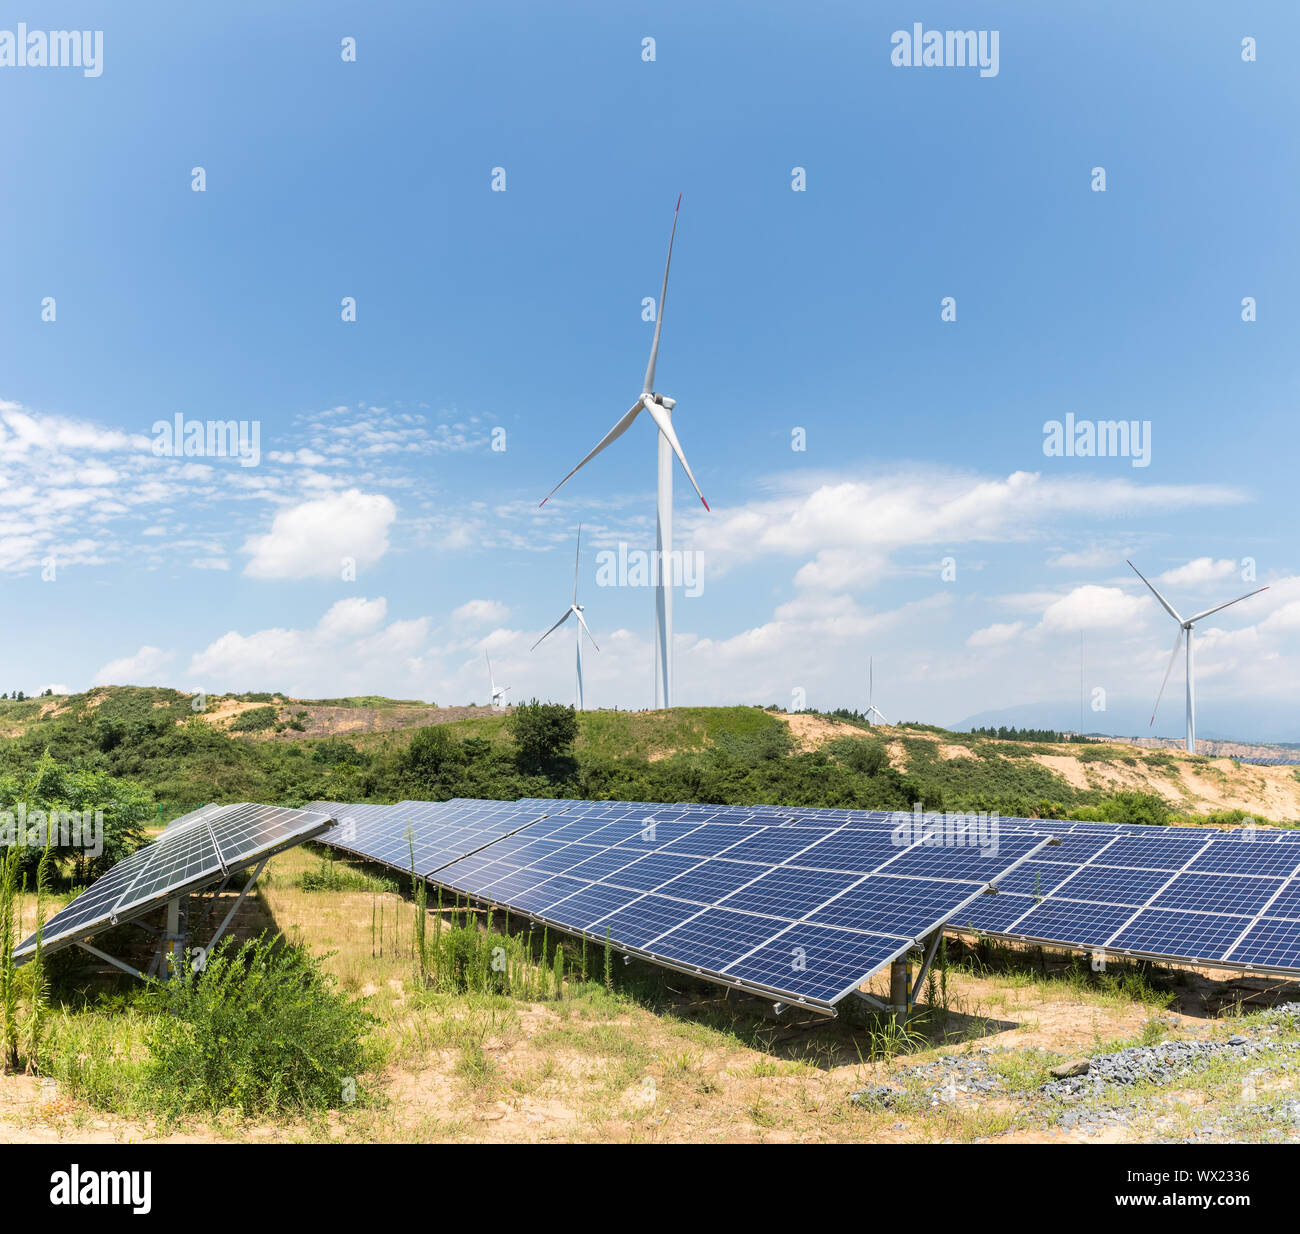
<point x="256" y="720"/>
<point x="430" y="761"/>
<point x="262" y="1030"/>
<point x="544" y="734"/>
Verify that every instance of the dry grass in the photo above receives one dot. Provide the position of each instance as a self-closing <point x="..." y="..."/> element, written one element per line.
<point x="662" y="1059"/>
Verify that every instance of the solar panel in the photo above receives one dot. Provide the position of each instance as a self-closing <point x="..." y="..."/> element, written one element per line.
<point x="425" y="835"/>
<point x="726" y="895"/>
<point x="208" y="845"/>
<point x="1104" y="886"/>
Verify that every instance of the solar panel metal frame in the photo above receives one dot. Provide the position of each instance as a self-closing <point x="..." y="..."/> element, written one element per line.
<point x="120" y="912"/>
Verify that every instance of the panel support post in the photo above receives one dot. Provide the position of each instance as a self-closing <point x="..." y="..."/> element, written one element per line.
<point x="174" y="940"/>
<point x="925" y="967"/>
<point x="900" y="987"/>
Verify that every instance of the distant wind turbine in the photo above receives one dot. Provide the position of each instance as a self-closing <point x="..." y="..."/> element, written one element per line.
<point x="574" y="610"/>
<point x="872" y="709"/>
<point x="660" y="408"/>
<point x="498" y="692"/>
<point x="1185" y="628"/>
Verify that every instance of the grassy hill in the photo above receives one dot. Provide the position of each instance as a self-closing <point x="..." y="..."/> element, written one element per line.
<point x="266" y="746"/>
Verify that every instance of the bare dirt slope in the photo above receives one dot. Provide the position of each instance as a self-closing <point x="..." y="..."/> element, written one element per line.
<point x="1187" y="783"/>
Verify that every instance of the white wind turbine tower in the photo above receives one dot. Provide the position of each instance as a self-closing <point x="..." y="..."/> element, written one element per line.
<point x="1185" y="628"/>
<point x="660" y="408"/>
<point x="574" y="610"/>
<point x="872" y="709"/>
<point x="498" y="692"/>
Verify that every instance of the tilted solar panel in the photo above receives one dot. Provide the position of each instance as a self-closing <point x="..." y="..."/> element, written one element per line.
<point x="207" y="846"/>
<point x="719" y="893"/>
<point x="425" y="835"/>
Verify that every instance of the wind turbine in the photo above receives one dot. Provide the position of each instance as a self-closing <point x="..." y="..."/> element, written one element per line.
<point x="872" y="709"/>
<point x="574" y="610"/>
<point x="498" y="692"/>
<point x="660" y="408"/>
<point x="1185" y="627"/>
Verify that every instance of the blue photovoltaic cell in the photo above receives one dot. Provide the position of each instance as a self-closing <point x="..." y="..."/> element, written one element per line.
<point x="709" y="841"/>
<point x="592" y="903"/>
<point x="1218" y="893"/>
<point x="714" y="939"/>
<point x="1288" y="903"/>
<point x="854" y="852"/>
<point x="905" y="905"/>
<point x="772" y="844"/>
<point x="652" y="870"/>
<point x="1110" y="885"/>
<point x="791" y="893"/>
<point x="1037" y="877"/>
<point x="976" y="864"/>
<point x="710" y="881"/>
<point x="1269" y="944"/>
<point x="647" y="918"/>
<point x="819" y="962"/>
<point x="994" y="913"/>
<point x="1245" y="857"/>
<point x="1165" y="931"/>
<point x="1154" y="853"/>
<point x="1072" y="921"/>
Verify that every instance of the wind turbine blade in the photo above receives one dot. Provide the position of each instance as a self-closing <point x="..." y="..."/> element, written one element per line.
<point x="1169" y="608"/>
<point x="661" y="418"/>
<point x="1178" y="642"/>
<point x="552" y="630"/>
<point x="583" y="624"/>
<point x="1238" y="600"/>
<point x="576" y="552"/>
<point x="659" y="313"/>
<point x="616" y="432"/>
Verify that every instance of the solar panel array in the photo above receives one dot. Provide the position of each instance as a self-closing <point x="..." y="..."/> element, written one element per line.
<point x="733" y="895"/>
<point x="1171" y="893"/>
<point x="194" y="851"/>
<point x="1271" y="761"/>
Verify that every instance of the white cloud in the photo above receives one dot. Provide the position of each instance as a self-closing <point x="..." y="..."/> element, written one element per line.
<point x="1200" y="570"/>
<point x="995" y="635"/>
<point x="843" y="520"/>
<point x="349" y="650"/>
<point x="352" y="617"/>
<point x="1094" y="608"/>
<point x="145" y="668"/>
<point x="310" y="540"/>
<point x="484" y="611"/>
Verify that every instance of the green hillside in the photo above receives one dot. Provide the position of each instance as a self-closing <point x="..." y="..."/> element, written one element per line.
<point x="260" y="747"/>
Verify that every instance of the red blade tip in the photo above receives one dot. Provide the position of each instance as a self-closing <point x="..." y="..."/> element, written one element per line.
<point x="706" y="505"/>
<point x="678" y="206"/>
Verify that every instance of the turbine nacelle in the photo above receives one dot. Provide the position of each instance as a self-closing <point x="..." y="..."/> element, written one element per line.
<point x="662" y="399"/>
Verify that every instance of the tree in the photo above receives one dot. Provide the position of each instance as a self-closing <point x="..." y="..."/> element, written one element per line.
<point x="431" y="759"/>
<point x="544" y="734"/>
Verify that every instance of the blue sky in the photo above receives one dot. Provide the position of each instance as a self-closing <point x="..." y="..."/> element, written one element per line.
<point x="522" y="310"/>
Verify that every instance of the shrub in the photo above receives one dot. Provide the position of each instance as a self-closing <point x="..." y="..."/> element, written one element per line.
<point x="262" y="1030"/>
<point x="544" y="734"/>
<point x="255" y="720"/>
